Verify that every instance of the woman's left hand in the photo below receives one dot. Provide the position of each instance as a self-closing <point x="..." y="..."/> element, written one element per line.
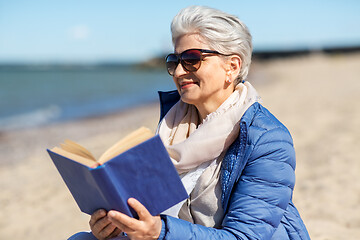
<point x="147" y="227"/>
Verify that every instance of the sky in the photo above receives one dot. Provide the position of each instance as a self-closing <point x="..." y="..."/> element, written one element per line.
<point x="91" y="31"/>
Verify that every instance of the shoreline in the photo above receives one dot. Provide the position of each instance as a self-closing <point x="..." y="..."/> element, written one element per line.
<point x="315" y="97"/>
<point x="115" y="123"/>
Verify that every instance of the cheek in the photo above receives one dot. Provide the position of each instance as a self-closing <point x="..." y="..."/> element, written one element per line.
<point x="176" y="83"/>
<point x="212" y="74"/>
<point x="212" y="79"/>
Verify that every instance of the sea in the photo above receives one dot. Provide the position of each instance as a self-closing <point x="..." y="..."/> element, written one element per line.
<point x="32" y="96"/>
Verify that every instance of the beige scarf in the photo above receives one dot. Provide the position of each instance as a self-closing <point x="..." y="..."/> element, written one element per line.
<point x="194" y="147"/>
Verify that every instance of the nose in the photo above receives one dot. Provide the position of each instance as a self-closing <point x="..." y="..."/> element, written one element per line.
<point x="179" y="70"/>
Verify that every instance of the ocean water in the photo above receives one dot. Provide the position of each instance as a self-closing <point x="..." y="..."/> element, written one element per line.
<point x="33" y="96"/>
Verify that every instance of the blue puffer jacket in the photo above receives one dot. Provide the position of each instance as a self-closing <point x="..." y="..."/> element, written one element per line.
<point x="257" y="179"/>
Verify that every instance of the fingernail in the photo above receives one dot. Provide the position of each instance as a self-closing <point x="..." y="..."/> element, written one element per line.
<point x="102" y="212"/>
<point x="112" y="214"/>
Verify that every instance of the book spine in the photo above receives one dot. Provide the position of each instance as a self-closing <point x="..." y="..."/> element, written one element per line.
<point x="112" y="190"/>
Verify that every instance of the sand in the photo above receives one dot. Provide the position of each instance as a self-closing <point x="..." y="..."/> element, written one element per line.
<point x="317" y="97"/>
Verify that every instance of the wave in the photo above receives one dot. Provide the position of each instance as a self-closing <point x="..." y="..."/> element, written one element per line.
<point x="34" y="118"/>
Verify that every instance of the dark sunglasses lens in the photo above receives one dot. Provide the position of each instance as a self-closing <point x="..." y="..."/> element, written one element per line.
<point x="191" y="60"/>
<point x="171" y="63"/>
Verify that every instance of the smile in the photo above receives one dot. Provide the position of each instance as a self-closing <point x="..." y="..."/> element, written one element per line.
<point x="185" y="85"/>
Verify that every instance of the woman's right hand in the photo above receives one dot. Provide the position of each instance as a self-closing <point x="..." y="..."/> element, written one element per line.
<point x="101" y="226"/>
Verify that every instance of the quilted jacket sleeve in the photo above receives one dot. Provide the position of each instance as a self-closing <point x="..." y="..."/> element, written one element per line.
<point x="259" y="198"/>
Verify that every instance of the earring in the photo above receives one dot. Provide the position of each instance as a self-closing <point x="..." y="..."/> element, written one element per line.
<point x="228" y="80"/>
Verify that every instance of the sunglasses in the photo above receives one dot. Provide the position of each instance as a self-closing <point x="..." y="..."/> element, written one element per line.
<point x="190" y="60"/>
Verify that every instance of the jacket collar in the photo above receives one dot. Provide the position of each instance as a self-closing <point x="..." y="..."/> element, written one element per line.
<point x="167" y="100"/>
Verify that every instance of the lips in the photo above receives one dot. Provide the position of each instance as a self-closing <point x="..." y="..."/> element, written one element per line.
<point x="184" y="85"/>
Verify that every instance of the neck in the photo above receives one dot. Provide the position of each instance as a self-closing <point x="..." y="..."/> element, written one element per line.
<point x="206" y="107"/>
<point x="212" y="102"/>
<point x="205" y="110"/>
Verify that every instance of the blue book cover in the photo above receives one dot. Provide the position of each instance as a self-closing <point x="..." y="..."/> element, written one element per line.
<point x="144" y="172"/>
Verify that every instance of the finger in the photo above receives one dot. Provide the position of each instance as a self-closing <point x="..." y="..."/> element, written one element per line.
<point x="101" y="225"/>
<point x="124" y="222"/>
<point x="96" y="216"/>
<point x="115" y="233"/>
<point x="107" y="230"/>
<point x="139" y="208"/>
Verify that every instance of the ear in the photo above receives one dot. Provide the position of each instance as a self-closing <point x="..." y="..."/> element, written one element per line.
<point x="234" y="67"/>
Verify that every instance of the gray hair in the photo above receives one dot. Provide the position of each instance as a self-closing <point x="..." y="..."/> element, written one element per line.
<point x="223" y="32"/>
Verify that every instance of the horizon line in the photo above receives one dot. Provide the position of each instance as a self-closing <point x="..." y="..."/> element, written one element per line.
<point x="265" y="53"/>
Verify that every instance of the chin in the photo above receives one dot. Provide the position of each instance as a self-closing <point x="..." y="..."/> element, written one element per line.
<point x="188" y="99"/>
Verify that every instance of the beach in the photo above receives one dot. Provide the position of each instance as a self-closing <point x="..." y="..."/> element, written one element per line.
<point x="316" y="97"/>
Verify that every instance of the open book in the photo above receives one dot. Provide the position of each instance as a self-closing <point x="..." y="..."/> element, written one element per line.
<point x="80" y="154"/>
<point x="137" y="166"/>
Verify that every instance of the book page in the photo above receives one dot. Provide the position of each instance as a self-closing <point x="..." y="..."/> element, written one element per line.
<point x="83" y="160"/>
<point x="78" y="153"/>
<point x="138" y="136"/>
<point x="77" y="149"/>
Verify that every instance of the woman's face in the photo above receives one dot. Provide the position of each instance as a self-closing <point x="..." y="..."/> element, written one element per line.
<point x="207" y="87"/>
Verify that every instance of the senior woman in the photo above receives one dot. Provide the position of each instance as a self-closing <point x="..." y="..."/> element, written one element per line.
<point x="235" y="159"/>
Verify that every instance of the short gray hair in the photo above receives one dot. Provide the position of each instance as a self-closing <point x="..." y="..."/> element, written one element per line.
<point x="223" y="32"/>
